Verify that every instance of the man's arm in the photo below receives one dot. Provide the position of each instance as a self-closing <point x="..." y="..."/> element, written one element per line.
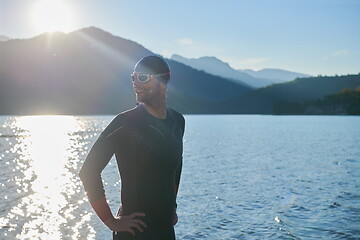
<point x="177" y="182"/>
<point x="177" y="177"/>
<point x="179" y="169"/>
<point x="90" y="174"/>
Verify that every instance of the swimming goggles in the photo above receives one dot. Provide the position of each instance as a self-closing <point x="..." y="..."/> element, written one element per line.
<point x="142" y="77"/>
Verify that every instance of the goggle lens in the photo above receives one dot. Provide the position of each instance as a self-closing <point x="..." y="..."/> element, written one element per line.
<point x="143" y="77"/>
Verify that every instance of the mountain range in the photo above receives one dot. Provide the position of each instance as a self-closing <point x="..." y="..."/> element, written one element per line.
<point x="256" y="79"/>
<point x="300" y="90"/>
<point x="88" y="72"/>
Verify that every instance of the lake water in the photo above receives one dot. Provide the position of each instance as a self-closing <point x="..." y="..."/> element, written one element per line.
<point x="244" y="177"/>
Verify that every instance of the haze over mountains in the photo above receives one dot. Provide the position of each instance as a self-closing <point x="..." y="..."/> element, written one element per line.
<point x="252" y="78"/>
<point x="88" y="72"/>
<point x="275" y="75"/>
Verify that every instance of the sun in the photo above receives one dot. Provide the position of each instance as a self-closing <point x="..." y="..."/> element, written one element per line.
<point x="52" y="15"/>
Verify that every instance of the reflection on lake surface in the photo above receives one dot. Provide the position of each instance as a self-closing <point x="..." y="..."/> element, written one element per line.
<point x="244" y="177"/>
<point x="40" y="188"/>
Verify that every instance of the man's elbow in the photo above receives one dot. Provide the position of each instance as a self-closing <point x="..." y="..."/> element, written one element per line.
<point x="88" y="175"/>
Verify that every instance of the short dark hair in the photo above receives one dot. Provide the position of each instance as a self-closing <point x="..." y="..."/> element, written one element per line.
<point x="153" y="65"/>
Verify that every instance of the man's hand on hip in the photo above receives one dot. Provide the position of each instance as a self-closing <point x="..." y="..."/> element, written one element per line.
<point x="127" y="223"/>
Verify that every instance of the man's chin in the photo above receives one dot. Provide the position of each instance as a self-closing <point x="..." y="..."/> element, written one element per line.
<point x="140" y="100"/>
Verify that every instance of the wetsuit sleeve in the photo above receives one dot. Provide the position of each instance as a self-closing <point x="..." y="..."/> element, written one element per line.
<point x="177" y="177"/>
<point x="90" y="173"/>
<point x="181" y="121"/>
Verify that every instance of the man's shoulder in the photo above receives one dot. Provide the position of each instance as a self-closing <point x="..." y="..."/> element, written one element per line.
<point x="179" y="118"/>
<point x="176" y="114"/>
<point x="131" y="116"/>
<point x="122" y="120"/>
<point x="129" y="113"/>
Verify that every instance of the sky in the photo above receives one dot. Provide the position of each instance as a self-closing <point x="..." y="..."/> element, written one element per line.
<point x="317" y="37"/>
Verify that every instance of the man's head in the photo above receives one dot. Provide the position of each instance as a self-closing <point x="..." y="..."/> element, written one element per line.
<point x="153" y="65"/>
<point x="150" y="77"/>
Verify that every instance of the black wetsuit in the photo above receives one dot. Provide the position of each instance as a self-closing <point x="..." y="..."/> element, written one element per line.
<point x="148" y="151"/>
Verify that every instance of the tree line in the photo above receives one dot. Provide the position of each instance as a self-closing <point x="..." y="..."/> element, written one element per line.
<point x="346" y="102"/>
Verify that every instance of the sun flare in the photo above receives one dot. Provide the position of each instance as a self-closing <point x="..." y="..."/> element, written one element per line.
<point x="53" y="15"/>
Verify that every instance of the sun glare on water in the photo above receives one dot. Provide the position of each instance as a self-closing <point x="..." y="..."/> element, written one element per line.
<point x="53" y="15"/>
<point x="46" y="156"/>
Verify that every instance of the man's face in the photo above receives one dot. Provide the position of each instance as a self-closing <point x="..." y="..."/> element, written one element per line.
<point x="148" y="91"/>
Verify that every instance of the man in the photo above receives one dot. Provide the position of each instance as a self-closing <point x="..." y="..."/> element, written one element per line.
<point x="147" y="143"/>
